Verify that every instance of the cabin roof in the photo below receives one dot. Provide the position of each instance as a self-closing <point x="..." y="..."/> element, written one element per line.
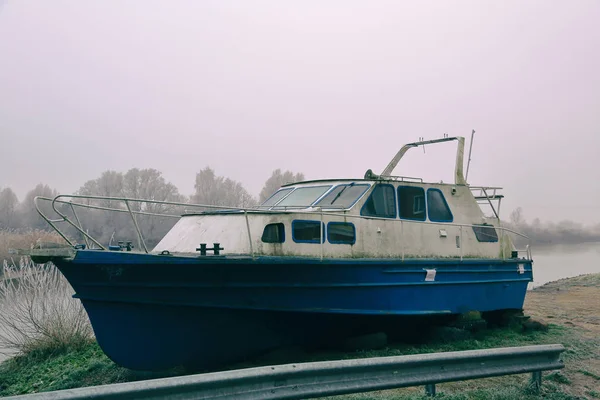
<point x="405" y="180"/>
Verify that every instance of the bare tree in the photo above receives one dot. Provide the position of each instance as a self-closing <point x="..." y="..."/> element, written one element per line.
<point x="276" y="180"/>
<point x="220" y="191"/>
<point x="147" y="184"/>
<point x="516" y="217"/>
<point x="27" y="212"/>
<point x="109" y="184"/>
<point x="8" y="208"/>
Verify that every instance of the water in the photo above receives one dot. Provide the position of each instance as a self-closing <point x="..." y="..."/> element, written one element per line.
<point x="550" y="263"/>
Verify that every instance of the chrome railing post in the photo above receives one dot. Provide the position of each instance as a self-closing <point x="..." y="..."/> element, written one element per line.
<point x="66" y="219"/>
<point x="87" y="243"/>
<point x="249" y="233"/>
<point x="137" y="228"/>
<point x="50" y="222"/>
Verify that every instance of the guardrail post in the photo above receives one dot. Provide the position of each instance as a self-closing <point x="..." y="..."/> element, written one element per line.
<point x="536" y="381"/>
<point x="430" y="389"/>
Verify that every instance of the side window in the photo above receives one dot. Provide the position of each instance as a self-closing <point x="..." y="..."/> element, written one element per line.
<point x="411" y="201"/>
<point x="437" y="208"/>
<point x="381" y="202"/>
<point x="274" y="233"/>
<point x="307" y="231"/>
<point x="341" y="233"/>
<point x="485" y="233"/>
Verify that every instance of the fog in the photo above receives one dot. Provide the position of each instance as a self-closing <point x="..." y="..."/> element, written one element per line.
<point x="328" y="89"/>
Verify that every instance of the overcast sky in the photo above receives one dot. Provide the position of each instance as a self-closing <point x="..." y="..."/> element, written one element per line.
<point x="327" y="88"/>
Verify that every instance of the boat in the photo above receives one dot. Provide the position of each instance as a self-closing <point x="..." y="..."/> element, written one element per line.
<point x="317" y="259"/>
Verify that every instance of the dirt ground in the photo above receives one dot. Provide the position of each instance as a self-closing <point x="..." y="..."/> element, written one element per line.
<point x="573" y="303"/>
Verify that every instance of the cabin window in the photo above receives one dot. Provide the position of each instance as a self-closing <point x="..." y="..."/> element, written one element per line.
<point x="302" y="197"/>
<point x="341" y="233"/>
<point x="381" y="203"/>
<point x="342" y="196"/>
<point x="274" y="233"/>
<point x="437" y="208"/>
<point x="411" y="201"/>
<point x="280" y="194"/>
<point x="307" y="231"/>
<point x="485" y="233"/>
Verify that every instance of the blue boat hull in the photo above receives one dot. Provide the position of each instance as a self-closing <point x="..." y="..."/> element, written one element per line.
<point x="152" y="312"/>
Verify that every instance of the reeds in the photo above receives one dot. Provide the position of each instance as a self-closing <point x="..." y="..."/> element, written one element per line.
<point x="37" y="310"/>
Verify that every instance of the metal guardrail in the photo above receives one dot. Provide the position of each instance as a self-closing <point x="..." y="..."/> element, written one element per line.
<point x="317" y="211"/>
<point x="329" y="378"/>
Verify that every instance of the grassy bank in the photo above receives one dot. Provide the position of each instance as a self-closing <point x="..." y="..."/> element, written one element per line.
<point x="570" y="309"/>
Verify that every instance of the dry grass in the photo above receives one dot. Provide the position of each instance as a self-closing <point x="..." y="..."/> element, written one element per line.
<point x="23" y="240"/>
<point x="38" y="312"/>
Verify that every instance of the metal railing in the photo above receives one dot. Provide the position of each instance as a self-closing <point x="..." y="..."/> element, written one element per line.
<point x="320" y="212"/>
<point x="486" y="195"/>
<point x="329" y="378"/>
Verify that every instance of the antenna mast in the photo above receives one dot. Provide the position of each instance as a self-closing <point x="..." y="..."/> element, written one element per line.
<point x="470" y="148"/>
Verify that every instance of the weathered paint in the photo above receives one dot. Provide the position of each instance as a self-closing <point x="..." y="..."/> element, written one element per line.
<point x="375" y="237"/>
<point x="153" y="312"/>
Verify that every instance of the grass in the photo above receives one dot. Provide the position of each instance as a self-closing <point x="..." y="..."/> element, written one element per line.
<point x="68" y="368"/>
<point x="39" y="371"/>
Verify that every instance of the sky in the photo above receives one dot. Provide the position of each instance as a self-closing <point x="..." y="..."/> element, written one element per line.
<point x="328" y="88"/>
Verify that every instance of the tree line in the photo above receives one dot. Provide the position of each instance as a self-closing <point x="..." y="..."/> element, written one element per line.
<point x="148" y="184"/>
<point x="563" y="232"/>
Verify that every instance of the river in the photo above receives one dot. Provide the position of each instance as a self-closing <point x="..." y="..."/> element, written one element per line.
<point x="551" y="263"/>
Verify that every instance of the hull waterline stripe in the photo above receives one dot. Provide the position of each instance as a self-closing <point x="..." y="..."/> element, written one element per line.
<point x="296" y="285"/>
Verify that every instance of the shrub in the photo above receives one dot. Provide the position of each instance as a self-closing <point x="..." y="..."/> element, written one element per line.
<point x="37" y="310"/>
<point x="12" y="239"/>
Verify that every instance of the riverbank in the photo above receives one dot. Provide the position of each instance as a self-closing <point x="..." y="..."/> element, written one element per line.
<point x="568" y="310"/>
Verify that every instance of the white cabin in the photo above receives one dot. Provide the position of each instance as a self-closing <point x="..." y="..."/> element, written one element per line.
<point x="378" y="216"/>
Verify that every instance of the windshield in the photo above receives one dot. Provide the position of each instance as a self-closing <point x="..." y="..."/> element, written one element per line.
<point x="302" y="197"/>
<point x="343" y="196"/>
<point x="280" y="194"/>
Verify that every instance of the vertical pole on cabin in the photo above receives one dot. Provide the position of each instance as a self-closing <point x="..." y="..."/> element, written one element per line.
<point x="499" y="203"/>
<point x="249" y="233"/>
<point x="402" y="238"/>
<point x="321" y="229"/>
<point x="470" y="149"/>
<point x="502" y="246"/>
<point x="137" y="228"/>
<point x="461" y="243"/>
